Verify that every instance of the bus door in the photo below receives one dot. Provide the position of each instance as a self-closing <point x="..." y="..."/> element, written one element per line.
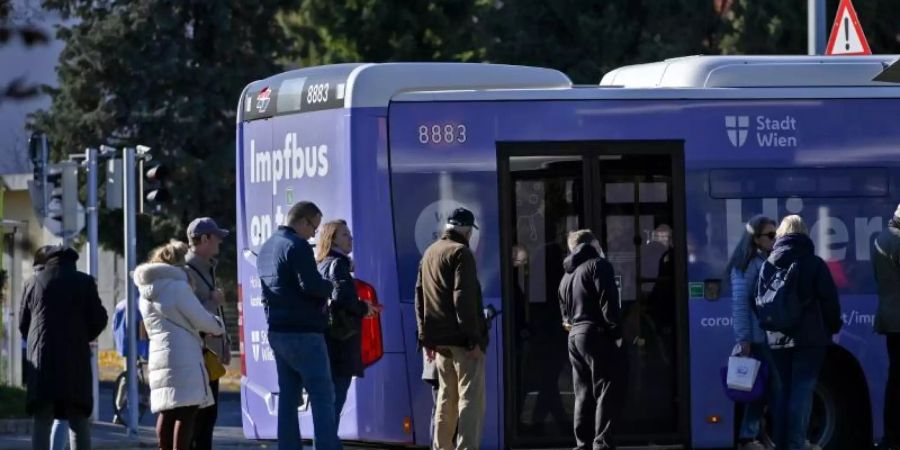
<point x="631" y="194"/>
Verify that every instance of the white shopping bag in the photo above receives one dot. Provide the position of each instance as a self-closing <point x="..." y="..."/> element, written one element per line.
<point x="742" y="373"/>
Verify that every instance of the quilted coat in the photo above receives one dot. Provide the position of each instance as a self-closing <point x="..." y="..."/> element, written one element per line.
<point x="174" y="319"/>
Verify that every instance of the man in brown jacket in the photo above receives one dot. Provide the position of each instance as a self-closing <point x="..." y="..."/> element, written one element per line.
<point x="453" y="331"/>
<point x="204" y="236"/>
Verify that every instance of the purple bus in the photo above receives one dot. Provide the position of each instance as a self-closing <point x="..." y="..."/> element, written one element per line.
<point x="664" y="161"/>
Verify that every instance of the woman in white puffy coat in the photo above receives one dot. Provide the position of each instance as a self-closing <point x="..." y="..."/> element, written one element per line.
<point x="174" y="318"/>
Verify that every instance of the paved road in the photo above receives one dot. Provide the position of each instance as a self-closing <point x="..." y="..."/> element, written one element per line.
<point x="229" y="408"/>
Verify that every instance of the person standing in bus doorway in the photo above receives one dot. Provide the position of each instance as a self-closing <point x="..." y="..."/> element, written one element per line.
<point x="61" y="313"/>
<point x="344" y="335"/>
<point x="295" y="297"/>
<point x="589" y="303"/>
<point x="800" y="356"/>
<point x="743" y="270"/>
<point x="204" y="237"/>
<point x="886" y="260"/>
<point x="453" y="331"/>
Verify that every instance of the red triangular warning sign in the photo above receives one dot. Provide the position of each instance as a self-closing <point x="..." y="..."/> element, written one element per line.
<point x="847" y="36"/>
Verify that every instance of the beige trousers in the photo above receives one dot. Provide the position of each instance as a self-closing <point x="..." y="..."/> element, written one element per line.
<point x="461" y="400"/>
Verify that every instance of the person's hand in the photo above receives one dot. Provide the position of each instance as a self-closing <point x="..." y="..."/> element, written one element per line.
<point x="619" y="342"/>
<point x="745" y="349"/>
<point x="475" y="353"/>
<point x="567" y="326"/>
<point x="429" y="354"/>
<point x="373" y="309"/>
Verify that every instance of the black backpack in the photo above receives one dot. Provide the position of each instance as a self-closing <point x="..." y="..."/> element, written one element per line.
<point x="778" y="303"/>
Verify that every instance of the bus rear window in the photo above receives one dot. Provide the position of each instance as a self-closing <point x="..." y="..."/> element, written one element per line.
<point x="799" y="182"/>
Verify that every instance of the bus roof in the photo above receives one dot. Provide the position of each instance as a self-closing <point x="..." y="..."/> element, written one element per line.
<point x="754" y="71"/>
<point x="374" y="85"/>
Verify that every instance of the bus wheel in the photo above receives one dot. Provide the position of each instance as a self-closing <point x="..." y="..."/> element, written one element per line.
<point x="838" y="420"/>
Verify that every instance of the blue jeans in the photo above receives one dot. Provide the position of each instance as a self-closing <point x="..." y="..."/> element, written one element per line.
<point x="341" y="386"/>
<point x="302" y="362"/>
<point x="78" y="431"/>
<point x="754" y="412"/>
<point x="59" y="435"/>
<point x="799" y="369"/>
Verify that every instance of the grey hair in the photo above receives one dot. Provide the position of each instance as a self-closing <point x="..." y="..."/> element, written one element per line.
<point x="579" y="237"/>
<point x="457" y="228"/>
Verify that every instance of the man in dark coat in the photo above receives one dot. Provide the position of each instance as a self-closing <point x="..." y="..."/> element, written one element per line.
<point x="886" y="259"/>
<point x="61" y="314"/>
<point x="589" y="302"/>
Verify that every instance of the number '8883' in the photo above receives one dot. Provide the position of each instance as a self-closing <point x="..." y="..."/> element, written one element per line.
<point x="448" y="133"/>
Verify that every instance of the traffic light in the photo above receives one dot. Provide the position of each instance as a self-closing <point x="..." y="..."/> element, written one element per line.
<point x="62" y="185"/>
<point x="153" y="187"/>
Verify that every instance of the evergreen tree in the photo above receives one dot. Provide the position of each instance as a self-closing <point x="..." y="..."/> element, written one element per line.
<point x="329" y="32"/>
<point x="167" y="74"/>
<point x="586" y="39"/>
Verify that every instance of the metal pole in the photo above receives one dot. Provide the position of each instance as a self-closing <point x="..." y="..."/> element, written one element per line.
<point x="128" y="175"/>
<point x="815" y="27"/>
<point x="91" y="156"/>
<point x="45" y="156"/>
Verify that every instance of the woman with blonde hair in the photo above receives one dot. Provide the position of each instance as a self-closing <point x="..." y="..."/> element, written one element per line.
<point x="800" y="352"/>
<point x="346" y="311"/>
<point x="174" y="318"/>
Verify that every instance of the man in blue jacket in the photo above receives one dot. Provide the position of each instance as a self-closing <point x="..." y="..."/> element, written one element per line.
<point x="295" y="297"/>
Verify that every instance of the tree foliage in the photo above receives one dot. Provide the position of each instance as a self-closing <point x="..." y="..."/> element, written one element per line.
<point x="327" y="32"/>
<point x="166" y="74"/>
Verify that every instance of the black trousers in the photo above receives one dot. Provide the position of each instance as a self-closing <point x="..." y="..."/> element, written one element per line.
<point x="892" y="392"/>
<point x="205" y="424"/>
<point x="597" y="375"/>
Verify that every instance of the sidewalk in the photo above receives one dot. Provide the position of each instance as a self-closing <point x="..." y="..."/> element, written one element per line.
<point x="109" y="436"/>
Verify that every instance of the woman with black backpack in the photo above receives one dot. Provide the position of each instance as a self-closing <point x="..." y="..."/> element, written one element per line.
<point x="807" y="313"/>
<point x="346" y="311"/>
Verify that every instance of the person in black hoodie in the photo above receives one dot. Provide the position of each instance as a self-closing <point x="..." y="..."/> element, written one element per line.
<point x="886" y="261"/>
<point x="61" y="314"/>
<point x="799" y="355"/>
<point x="589" y="302"/>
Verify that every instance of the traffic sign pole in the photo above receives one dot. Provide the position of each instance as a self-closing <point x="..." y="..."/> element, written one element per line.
<point x="130" y="217"/>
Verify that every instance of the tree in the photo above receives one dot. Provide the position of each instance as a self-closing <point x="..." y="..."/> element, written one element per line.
<point x="167" y="74"/>
<point x="764" y="27"/>
<point x="331" y="32"/>
<point x="585" y="39"/>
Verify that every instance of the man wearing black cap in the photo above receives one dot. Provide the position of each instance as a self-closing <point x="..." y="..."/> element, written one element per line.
<point x="886" y="260"/>
<point x="452" y="329"/>
<point x="204" y="237"/>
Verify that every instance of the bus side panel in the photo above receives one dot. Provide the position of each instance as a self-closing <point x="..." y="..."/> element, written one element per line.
<point x="253" y="223"/>
<point x="301" y="157"/>
<point x="429" y="182"/>
<point x="842" y="211"/>
<point x="382" y="396"/>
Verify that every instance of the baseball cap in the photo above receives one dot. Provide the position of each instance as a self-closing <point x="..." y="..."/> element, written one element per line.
<point x="462" y="217"/>
<point x="205" y="225"/>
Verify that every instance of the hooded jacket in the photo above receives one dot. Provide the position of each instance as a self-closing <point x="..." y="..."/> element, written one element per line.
<point x="174" y="318"/>
<point x="588" y="296"/>
<point x="886" y="259"/>
<point x="822" y="317"/>
<point x="60" y="315"/>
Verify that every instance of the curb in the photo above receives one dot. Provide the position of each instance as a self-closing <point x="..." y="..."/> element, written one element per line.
<point x="15" y="427"/>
